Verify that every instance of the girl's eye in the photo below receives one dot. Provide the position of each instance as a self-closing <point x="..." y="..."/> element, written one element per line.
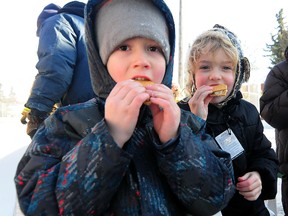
<point x="204" y="67"/>
<point x="123" y="48"/>
<point x="227" y="68"/>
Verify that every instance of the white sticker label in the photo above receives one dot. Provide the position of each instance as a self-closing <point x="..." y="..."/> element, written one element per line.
<point x="229" y="143"/>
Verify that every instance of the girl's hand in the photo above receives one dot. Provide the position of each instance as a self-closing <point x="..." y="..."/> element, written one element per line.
<point x="250" y="185"/>
<point x="165" y="111"/>
<point x="199" y="102"/>
<point x="122" y="109"/>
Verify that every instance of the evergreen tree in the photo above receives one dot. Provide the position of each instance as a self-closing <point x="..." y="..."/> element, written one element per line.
<point x="280" y="41"/>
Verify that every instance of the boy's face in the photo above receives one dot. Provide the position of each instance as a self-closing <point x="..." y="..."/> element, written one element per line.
<point x="137" y="58"/>
<point x="213" y="69"/>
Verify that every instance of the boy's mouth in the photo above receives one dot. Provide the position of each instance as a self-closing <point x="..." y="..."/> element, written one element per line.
<point x="140" y="79"/>
<point x="144" y="82"/>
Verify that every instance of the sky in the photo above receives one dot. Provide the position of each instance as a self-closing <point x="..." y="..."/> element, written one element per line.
<point x="252" y="21"/>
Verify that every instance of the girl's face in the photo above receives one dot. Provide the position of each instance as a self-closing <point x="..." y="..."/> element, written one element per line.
<point x="137" y="58"/>
<point x="213" y="69"/>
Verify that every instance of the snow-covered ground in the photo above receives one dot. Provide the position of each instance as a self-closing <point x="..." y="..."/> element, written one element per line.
<point x="14" y="144"/>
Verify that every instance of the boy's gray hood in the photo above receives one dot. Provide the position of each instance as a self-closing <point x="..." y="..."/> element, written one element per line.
<point x="102" y="82"/>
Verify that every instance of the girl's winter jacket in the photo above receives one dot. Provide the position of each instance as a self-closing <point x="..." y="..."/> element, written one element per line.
<point x="74" y="167"/>
<point x="243" y="119"/>
<point x="274" y="109"/>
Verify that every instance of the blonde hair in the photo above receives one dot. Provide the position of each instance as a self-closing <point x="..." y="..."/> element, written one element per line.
<point x="209" y="41"/>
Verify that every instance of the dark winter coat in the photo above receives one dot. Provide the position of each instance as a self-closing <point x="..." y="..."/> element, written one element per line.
<point x="74" y="167"/>
<point x="274" y="109"/>
<point x="243" y="119"/>
<point x="63" y="72"/>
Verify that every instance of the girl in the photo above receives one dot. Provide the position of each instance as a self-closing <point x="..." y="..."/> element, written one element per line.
<point x="216" y="58"/>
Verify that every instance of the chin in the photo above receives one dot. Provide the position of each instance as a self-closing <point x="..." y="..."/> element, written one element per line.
<point x="217" y="100"/>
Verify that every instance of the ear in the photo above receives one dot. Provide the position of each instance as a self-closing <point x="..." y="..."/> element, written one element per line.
<point x="245" y="65"/>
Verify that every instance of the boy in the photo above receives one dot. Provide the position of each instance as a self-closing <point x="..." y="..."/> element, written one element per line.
<point x="114" y="155"/>
<point x="216" y="58"/>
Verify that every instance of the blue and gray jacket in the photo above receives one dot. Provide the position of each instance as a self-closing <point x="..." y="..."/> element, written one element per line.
<point x="74" y="164"/>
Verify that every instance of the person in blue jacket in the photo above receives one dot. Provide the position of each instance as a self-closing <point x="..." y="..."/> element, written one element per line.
<point x="63" y="73"/>
<point x="115" y="155"/>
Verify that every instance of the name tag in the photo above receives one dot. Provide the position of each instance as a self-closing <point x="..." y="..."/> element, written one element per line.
<point x="229" y="143"/>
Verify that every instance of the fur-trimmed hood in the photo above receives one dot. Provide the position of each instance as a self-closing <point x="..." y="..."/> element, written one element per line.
<point x="243" y="65"/>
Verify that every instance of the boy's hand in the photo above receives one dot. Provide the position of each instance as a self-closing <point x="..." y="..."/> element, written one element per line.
<point x="122" y="109"/>
<point x="199" y="102"/>
<point x="165" y="111"/>
<point x="250" y="185"/>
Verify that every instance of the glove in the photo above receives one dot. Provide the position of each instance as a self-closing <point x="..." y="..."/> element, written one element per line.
<point x="25" y="113"/>
<point x="35" y="119"/>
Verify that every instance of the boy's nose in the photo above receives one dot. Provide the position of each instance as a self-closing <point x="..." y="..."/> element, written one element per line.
<point x="141" y="59"/>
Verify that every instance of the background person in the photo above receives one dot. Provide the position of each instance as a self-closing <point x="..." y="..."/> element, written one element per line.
<point x="63" y="73"/>
<point x="274" y="110"/>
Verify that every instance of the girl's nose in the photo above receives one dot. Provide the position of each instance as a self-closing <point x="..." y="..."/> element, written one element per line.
<point x="215" y="75"/>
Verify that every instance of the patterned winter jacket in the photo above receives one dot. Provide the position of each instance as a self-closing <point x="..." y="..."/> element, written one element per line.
<point x="74" y="167"/>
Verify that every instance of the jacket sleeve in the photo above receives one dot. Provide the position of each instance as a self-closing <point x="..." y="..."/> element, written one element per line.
<point x="264" y="160"/>
<point x="50" y="172"/>
<point x="199" y="173"/>
<point x="57" y="56"/>
<point x="274" y="101"/>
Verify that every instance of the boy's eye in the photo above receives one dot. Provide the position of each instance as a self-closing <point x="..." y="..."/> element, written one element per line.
<point x="154" y="49"/>
<point x="123" y="48"/>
